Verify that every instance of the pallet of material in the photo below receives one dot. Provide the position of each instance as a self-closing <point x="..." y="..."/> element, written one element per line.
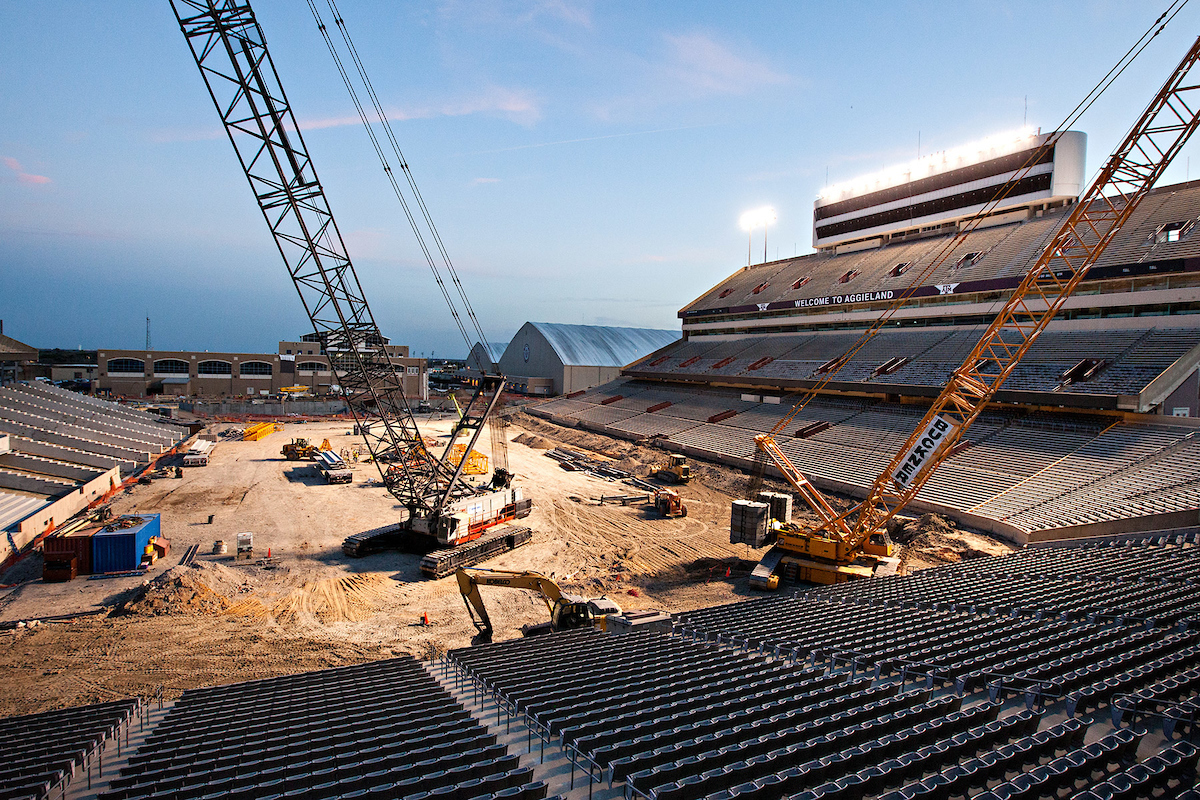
<point x="197" y="454"/>
<point x="749" y="523"/>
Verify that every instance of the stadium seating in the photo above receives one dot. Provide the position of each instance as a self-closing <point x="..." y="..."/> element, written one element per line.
<point x="991" y="678"/>
<point x="1006" y="251"/>
<point x="43" y="751"/>
<point x="1029" y="470"/>
<point x="375" y="730"/>
<point x="1134" y="358"/>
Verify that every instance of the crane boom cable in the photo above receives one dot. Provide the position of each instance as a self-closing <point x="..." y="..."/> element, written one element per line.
<point x="387" y="126"/>
<point x="230" y="51"/>
<point x="970" y="388"/>
<point x="385" y="123"/>
<point x="944" y="252"/>
<point x="1129" y="174"/>
<point x="387" y="169"/>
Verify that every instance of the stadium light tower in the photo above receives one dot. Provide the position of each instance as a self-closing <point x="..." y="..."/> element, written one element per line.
<point x="755" y="218"/>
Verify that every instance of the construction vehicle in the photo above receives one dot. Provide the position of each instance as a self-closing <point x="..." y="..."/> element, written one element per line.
<point x="298" y="450"/>
<point x="842" y="546"/>
<point x="447" y="519"/>
<point x="332" y="468"/>
<point x="668" y="503"/>
<point x="675" y="470"/>
<point x="567" y="612"/>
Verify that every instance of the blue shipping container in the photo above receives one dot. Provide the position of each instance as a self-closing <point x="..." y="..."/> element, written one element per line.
<point x="121" y="550"/>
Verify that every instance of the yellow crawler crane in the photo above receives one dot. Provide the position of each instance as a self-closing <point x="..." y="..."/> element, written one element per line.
<point x="567" y="612"/>
<point x="851" y="544"/>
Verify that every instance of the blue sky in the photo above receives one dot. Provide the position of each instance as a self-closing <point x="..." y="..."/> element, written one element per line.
<point x="586" y="162"/>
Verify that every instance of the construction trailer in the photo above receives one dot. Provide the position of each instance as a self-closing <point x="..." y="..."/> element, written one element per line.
<point x="332" y="468"/>
<point x="198" y="453"/>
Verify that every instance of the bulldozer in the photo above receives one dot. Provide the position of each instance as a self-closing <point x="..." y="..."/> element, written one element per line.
<point x="675" y="470"/>
<point x="668" y="503"/>
<point x="567" y="611"/>
<point x="300" y="450"/>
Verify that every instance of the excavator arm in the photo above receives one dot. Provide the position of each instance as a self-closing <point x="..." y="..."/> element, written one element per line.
<point x="1127" y="176"/>
<point x="469" y="582"/>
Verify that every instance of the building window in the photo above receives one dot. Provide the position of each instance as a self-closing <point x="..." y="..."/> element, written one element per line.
<point x="289" y="352"/>
<point x="414" y="371"/>
<point x="344" y="362"/>
<point x="170" y="366"/>
<point x="214" y="368"/>
<point x="312" y="366"/>
<point x="255" y="368"/>
<point x="126" y="365"/>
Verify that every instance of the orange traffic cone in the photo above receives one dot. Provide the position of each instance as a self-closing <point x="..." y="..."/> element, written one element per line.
<point x="425" y="618"/>
<point x="728" y="571"/>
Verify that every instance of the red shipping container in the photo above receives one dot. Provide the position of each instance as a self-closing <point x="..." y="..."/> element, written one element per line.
<point x="77" y="544"/>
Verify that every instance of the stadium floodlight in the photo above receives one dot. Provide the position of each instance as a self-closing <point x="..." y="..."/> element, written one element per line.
<point x="757" y="218"/>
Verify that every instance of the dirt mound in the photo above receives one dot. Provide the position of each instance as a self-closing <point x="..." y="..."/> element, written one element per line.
<point x="350" y="598"/>
<point x="177" y="591"/>
<point x="932" y="540"/>
<point x="534" y="441"/>
<point x="211" y="589"/>
<point x="927" y="524"/>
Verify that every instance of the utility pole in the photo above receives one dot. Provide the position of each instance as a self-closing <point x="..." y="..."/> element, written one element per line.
<point x="147" y="333"/>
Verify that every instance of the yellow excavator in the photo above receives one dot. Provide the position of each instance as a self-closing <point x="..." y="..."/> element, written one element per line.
<point x="567" y="612"/>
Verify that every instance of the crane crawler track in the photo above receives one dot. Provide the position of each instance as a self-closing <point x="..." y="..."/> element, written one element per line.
<point x="436" y="563"/>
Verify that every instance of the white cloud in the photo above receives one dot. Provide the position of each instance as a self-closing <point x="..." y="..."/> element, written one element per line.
<point x="698" y="60"/>
<point x="519" y="13"/>
<point x="23" y="176"/>
<point x="517" y="105"/>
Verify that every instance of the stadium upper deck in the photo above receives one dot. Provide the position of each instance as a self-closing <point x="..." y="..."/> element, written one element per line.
<point x="1152" y="268"/>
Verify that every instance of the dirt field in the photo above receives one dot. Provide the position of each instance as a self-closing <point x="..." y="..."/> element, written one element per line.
<point x="218" y="621"/>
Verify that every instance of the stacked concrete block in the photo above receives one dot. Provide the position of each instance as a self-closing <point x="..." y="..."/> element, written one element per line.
<point x="780" y="503"/>
<point x="749" y="523"/>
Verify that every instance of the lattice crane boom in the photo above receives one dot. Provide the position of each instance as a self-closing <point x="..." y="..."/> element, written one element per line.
<point x="229" y="48"/>
<point x="1128" y="174"/>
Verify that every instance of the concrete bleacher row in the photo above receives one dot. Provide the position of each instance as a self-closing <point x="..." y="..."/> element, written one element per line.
<point x="1135" y="358"/>
<point x="872" y="689"/>
<point x="1026" y="471"/>
<point x="1006" y="251"/>
<point x="43" y="751"/>
<point x="383" y="729"/>
<point x="61" y="450"/>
